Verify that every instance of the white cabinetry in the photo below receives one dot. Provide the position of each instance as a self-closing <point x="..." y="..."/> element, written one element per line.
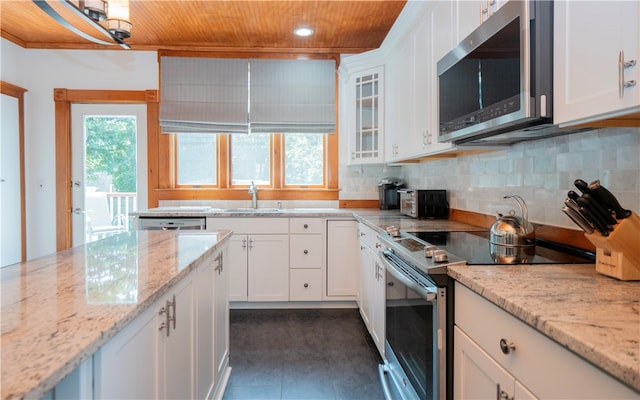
<point x="365" y="99"/>
<point x="596" y="55"/>
<point x="412" y="123"/>
<point x="306" y="259"/>
<point x="259" y="252"/>
<point x="372" y="294"/>
<point x="342" y="259"/>
<point x="527" y="364"/>
<point x="178" y="348"/>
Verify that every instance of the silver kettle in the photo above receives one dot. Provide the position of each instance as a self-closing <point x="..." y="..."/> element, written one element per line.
<point x="511" y="230"/>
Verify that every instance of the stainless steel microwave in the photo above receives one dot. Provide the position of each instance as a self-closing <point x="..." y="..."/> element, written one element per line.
<point x="500" y="78"/>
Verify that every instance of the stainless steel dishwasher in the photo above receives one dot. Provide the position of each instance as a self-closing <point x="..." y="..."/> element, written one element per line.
<point x="172" y="223"/>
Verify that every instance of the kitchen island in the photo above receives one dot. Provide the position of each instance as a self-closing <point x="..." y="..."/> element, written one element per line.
<point x="58" y="310"/>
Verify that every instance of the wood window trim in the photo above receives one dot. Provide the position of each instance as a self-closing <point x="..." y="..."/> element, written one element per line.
<point x="18" y="92"/>
<point x="63" y="99"/>
<point x="227" y="191"/>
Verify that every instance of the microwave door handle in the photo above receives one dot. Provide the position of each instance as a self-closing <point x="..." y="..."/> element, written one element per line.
<point x="426" y="293"/>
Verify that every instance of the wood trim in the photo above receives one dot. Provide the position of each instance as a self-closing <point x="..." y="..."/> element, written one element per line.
<point x="63" y="99"/>
<point x="557" y="234"/>
<point x="18" y="92"/>
<point x="359" y="204"/>
<point x="269" y="54"/>
<point x="242" y="194"/>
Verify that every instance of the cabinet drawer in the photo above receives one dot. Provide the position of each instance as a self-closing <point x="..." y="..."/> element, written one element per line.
<point x="306" y="285"/>
<point x="257" y="225"/>
<point x="548" y="369"/>
<point x="305" y="251"/>
<point x="305" y="225"/>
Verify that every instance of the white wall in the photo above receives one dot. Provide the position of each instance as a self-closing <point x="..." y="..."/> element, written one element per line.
<point x="40" y="71"/>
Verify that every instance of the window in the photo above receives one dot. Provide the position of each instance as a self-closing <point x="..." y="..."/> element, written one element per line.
<point x="251" y="159"/>
<point x="303" y="159"/>
<point x="196" y="159"/>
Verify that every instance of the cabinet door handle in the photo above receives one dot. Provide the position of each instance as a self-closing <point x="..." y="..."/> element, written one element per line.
<point x="502" y="395"/>
<point x="622" y="65"/>
<point x="219" y="266"/>
<point x="163" y="324"/>
<point x="506" y="346"/>
<point x="306" y="285"/>
<point x="306" y="252"/>
<point x="244" y="244"/>
<point x="306" y="226"/>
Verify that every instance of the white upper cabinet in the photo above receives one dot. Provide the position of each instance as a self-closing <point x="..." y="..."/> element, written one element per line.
<point x="399" y="113"/>
<point x="365" y="115"/>
<point x="596" y="60"/>
<point x="470" y="14"/>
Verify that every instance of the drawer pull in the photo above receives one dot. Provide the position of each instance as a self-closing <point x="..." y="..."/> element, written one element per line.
<point x="306" y="226"/>
<point x="306" y="252"/>
<point x="306" y="285"/>
<point x="507" y="347"/>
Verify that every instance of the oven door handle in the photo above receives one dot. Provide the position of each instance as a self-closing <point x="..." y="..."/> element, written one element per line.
<point x="427" y="293"/>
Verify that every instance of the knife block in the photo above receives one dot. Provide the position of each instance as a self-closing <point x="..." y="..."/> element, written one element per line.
<point x="618" y="255"/>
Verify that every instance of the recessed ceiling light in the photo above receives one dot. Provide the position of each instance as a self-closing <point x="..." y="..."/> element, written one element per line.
<point x="303" y="32"/>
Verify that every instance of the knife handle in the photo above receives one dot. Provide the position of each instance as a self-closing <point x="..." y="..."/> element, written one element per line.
<point x="582" y="185"/>
<point x="596" y="222"/>
<point x="607" y="198"/>
<point x="600" y="210"/>
<point x="592" y="216"/>
<point x="573" y="206"/>
<point x="573" y="195"/>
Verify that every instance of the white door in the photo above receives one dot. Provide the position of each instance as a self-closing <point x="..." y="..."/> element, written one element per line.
<point x="109" y="164"/>
<point x="11" y="251"/>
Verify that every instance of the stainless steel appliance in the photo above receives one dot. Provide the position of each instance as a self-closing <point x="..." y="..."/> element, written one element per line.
<point x="424" y="203"/>
<point x="476" y="249"/>
<point x="172" y="223"/>
<point x="499" y="79"/>
<point x="419" y="304"/>
<point x="388" y="193"/>
<point x="418" y="359"/>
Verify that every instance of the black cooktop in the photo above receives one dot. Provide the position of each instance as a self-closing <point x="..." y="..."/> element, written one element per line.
<point x="476" y="249"/>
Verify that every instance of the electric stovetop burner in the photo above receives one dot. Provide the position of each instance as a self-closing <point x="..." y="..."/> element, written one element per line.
<point x="475" y="248"/>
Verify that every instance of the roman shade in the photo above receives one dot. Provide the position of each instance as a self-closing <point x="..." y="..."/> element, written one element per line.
<point x="210" y="95"/>
<point x="207" y="95"/>
<point x="292" y="96"/>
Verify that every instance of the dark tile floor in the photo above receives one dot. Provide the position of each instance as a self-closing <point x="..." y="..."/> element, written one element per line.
<point x="302" y="354"/>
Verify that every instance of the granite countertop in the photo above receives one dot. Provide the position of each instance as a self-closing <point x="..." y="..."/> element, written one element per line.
<point x="593" y="315"/>
<point x="59" y="309"/>
<point x="213" y="212"/>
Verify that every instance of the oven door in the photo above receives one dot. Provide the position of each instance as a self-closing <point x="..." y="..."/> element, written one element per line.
<point x="415" y="350"/>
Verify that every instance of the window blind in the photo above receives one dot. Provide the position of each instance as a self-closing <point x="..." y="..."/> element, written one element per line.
<point x="206" y="95"/>
<point x="212" y="95"/>
<point x="292" y="96"/>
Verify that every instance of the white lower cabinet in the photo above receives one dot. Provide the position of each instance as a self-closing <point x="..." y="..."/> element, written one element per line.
<point x="305" y="259"/>
<point x="372" y="289"/>
<point x="174" y="349"/>
<point x="342" y="259"/>
<point x="259" y="250"/>
<point x="478" y="376"/>
<point x="526" y="365"/>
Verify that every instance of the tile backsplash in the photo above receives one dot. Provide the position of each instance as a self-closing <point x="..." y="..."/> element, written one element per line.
<point x="540" y="171"/>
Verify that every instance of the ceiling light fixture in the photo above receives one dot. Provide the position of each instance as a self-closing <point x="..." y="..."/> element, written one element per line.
<point x="93" y="12"/>
<point x="303" y="31"/>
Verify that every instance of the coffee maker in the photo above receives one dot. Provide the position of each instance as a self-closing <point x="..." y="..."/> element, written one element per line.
<point x="388" y="192"/>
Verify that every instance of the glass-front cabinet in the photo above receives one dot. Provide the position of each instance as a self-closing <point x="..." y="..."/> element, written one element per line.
<point x="366" y="130"/>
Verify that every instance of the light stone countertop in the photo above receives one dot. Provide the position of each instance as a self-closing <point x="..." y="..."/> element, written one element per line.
<point x="60" y="309"/>
<point x="593" y="315"/>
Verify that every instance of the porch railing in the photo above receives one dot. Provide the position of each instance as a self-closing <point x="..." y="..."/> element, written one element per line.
<point x="120" y="205"/>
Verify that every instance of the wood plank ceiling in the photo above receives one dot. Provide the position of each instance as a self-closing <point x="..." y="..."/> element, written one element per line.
<point x="340" y="26"/>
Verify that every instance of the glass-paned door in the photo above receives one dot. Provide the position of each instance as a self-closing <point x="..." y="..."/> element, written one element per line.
<point x="109" y="178"/>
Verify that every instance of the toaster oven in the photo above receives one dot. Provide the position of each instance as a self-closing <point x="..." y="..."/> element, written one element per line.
<point x="424" y="203"/>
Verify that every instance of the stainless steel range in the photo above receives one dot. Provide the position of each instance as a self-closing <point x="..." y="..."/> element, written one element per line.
<point x="419" y="303"/>
<point x="416" y="331"/>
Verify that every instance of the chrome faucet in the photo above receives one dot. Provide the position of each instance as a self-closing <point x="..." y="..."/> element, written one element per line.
<point x="253" y="189"/>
